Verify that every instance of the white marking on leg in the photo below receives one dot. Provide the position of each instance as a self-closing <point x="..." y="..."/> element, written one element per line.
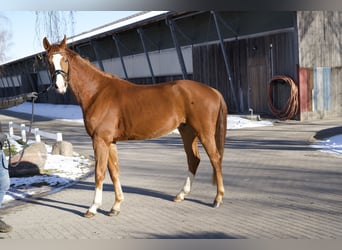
<point x="187" y="187"/>
<point x="119" y="199"/>
<point x="97" y="201"/>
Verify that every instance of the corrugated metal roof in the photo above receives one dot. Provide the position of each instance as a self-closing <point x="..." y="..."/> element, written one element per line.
<point x="117" y="25"/>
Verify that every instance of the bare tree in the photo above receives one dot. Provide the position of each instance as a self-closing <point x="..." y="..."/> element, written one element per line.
<point x="5" y="37"/>
<point x="54" y="25"/>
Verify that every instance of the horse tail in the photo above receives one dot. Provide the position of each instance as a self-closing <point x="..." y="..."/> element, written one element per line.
<point x="221" y="126"/>
<point x="220" y="133"/>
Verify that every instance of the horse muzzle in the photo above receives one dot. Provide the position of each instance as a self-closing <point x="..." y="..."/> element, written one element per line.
<point x="60" y="78"/>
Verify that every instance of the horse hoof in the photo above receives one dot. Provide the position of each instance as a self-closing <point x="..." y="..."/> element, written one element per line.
<point x="216" y="204"/>
<point x="113" y="212"/>
<point x="89" y="214"/>
<point x="178" y="199"/>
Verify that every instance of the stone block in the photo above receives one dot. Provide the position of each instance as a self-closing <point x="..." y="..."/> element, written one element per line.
<point x="62" y="148"/>
<point x="31" y="163"/>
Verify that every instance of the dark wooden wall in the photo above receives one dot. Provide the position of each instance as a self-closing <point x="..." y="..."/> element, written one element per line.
<point x="253" y="62"/>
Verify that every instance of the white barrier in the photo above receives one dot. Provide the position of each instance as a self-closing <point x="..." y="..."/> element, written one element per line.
<point x="37" y="133"/>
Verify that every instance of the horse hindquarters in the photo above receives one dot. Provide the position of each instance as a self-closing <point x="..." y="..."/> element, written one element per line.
<point x="220" y="137"/>
<point x="213" y="139"/>
<point x="212" y="133"/>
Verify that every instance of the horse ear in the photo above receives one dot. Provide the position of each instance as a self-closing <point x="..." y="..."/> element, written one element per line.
<point x="63" y="43"/>
<point x="46" y="44"/>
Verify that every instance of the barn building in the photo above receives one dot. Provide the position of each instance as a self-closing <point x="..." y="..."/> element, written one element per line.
<point x="242" y="54"/>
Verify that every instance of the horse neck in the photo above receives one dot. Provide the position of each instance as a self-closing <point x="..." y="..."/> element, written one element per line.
<point x="85" y="80"/>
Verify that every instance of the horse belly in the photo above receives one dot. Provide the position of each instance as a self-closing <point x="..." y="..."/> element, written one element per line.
<point x="153" y="126"/>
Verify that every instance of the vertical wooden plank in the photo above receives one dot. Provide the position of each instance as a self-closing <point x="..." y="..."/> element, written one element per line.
<point x="326" y="73"/>
<point x="303" y="85"/>
<point x="318" y="90"/>
<point x="322" y="89"/>
<point x="310" y="88"/>
<point x="336" y="90"/>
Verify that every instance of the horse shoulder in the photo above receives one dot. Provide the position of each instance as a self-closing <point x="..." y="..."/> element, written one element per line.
<point x="103" y="108"/>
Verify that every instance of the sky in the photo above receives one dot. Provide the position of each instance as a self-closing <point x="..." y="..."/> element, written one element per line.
<point x="21" y="25"/>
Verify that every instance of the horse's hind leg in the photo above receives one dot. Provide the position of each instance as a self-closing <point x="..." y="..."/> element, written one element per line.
<point x="190" y="141"/>
<point x="114" y="171"/>
<point x="215" y="157"/>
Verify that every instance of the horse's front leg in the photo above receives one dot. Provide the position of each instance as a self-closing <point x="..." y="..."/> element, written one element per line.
<point x="114" y="171"/>
<point x="101" y="150"/>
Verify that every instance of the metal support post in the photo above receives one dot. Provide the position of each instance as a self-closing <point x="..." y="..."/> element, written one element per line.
<point x="10" y="76"/>
<point x="2" y="78"/>
<point x="97" y="55"/>
<point x="116" y="40"/>
<point x="226" y="62"/>
<point x="141" y="34"/>
<point x="171" y="25"/>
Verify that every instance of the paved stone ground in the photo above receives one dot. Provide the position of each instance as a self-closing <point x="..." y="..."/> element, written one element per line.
<point x="277" y="187"/>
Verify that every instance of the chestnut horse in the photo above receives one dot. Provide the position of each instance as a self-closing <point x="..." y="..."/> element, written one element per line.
<point x="115" y="110"/>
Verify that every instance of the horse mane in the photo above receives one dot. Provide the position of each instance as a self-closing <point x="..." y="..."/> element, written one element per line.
<point x="72" y="55"/>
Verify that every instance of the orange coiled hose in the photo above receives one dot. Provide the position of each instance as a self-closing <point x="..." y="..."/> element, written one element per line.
<point x="291" y="107"/>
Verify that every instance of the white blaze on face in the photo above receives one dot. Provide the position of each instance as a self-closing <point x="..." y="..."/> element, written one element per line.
<point x="56" y="60"/>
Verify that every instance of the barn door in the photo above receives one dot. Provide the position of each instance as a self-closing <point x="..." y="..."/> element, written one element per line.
<point x="258" y="75"/>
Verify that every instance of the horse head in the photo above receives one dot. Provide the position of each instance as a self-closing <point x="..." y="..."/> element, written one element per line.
<point x="58" y="64"/>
